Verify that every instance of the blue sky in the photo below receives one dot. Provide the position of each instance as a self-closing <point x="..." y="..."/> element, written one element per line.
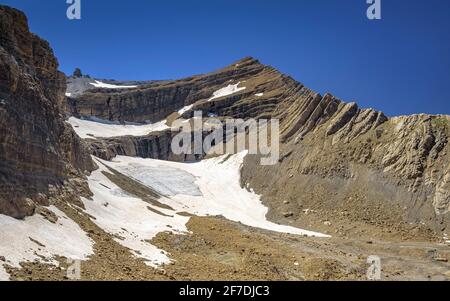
<point x="400" y="64"/>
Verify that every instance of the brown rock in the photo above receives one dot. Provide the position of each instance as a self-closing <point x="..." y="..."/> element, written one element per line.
<point x="37" y="147"/>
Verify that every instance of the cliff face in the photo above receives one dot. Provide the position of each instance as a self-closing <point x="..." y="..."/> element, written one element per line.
<point x="37" y="148"/>
<point x="331" y="151"/>
<point x="154" y="146"/>
<point x="156" y="100"/>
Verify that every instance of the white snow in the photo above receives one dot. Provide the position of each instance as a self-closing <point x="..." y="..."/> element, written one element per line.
<point x="65" y="238"/>
<point x="4" y="276"/>
<point x="207" y="188"/>
<point x="99" y="84"/>
<point x="185" y="109"/>
<point x="97" y="128"/>
<point x="166" y="180"/>
<point x="68" y="94"/>
<point x="259" y="94"/>
<point x="129" y="218"/>
<point x="228" y="90"/>
<point x="218" y="180"/>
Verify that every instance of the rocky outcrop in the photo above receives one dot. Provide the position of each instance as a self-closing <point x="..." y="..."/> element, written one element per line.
<point x="157" y="145"/>
<point x="155" y="100"/>
<point x="37" y="149"/>
<point x="154" y="146"/>
<point x="398" y="167"/>
<point x="400" y="162"/>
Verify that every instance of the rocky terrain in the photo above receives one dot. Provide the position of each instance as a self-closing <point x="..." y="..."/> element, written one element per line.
<point x="38" y="150"/>
<point x="400" y="164"/>
<point x="87" y="173"/>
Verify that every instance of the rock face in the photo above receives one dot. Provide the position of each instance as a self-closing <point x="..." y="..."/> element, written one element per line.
<point x="331" y="151"/>
<point x="156" y="100"/>
<point x="154" y="146"/>
<point x="37" y="148"/>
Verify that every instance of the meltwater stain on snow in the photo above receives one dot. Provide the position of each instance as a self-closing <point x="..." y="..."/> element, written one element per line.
<point x="168" y="181"/>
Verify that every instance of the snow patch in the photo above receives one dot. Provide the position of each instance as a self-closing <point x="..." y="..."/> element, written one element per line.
<point x="185" y="109"/>
<point x="166" y="180"/>
<point x="209" y="187"/>
<point x="129" y="218"/>
<point x="4" y="276"/>
<point x="65" y="238"/>
<point x="259" y="94"/>
<point x="99" y="84"/>
<point x="218" y="179"/>
<point x="101" y="128"/>
<point x="228" y="90"/>
<point x="68" y="94"/>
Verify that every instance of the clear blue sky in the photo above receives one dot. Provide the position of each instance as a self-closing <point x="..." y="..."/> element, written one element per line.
<point x="399" y="65"/>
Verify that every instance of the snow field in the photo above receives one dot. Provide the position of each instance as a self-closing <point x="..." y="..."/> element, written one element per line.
<point x="97" y="128"/>
<point x="65" y="238"/>
<point x="99" y="84"/>
<point x="217" y="179"/>
<point x="129" y="218"/>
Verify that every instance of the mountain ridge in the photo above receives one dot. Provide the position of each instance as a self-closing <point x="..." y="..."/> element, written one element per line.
<point x="410" y="151"/>
<point x="349" y="183"/>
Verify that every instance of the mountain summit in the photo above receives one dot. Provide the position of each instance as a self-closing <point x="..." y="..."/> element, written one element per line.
<point x="88" y="175"/>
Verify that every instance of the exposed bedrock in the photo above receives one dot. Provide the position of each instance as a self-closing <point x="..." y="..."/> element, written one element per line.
<point x="326" y="136"/>
<point x="156" y="100"/>
<point x="37" y="148"/>
<point x="396" y="171"/>
<point x="156" y="145"/>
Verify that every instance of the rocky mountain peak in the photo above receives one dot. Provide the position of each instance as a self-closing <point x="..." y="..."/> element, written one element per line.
<point x="77" y="73"/>
<point x="361" y="182"/>
<point x="322" y="136"/>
